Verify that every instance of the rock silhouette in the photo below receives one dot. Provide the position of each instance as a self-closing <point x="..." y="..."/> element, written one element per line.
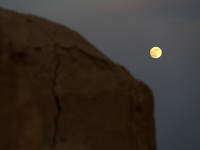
<point x="58" y="92"/>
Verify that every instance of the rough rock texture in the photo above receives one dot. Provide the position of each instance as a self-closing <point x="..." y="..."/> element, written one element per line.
<point x="59" y="93"/>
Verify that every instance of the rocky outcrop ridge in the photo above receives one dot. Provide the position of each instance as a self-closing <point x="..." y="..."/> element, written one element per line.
<point x="58" y="92"/>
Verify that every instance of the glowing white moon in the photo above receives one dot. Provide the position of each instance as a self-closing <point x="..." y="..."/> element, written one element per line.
<point x="155" y="52"/>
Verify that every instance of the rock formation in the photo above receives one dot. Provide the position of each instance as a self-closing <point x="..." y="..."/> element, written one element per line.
<point x="58" y="92"/>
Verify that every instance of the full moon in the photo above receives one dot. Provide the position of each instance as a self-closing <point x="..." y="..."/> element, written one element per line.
<point x="155" y="52"/>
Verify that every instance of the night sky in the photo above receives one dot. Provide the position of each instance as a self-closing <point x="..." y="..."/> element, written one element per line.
<point x="125" y="31"/>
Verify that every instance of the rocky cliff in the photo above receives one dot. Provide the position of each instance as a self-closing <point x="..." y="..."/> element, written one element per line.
<point x="58" y="92"/>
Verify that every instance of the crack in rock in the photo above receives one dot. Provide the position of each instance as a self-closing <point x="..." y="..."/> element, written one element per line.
<point x="56" y="97"/>
<point x="57" y="101"/>
<point x="131" y="108"/>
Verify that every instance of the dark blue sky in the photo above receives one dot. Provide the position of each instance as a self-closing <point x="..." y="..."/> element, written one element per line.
<point x="126" y="30"/>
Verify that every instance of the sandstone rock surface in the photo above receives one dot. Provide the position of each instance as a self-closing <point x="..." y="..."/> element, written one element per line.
<point x="58" y="92"/>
